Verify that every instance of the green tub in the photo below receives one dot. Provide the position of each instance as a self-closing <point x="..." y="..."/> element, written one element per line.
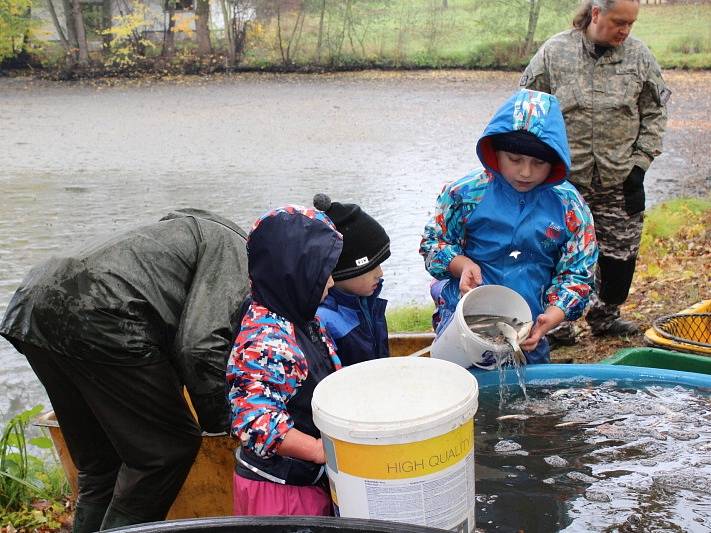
<point x="658" y="358"/>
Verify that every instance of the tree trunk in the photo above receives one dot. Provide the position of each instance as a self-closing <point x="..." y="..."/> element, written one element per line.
<point x="106" y="25"/>
<point x="168" y="33"/>
<point x="202" y="27"/>
<point x="320" y="31"/>
<point x="57" y="26"/>
<point x="445" y="5"/>
<point x="229" y="22"/>
<point x="69" y="24"/>
<point x="533" y="12"/>
<point x="80" y="33"/>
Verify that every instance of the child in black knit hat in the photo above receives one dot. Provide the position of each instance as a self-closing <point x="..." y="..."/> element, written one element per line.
<point x="352" y="313"/>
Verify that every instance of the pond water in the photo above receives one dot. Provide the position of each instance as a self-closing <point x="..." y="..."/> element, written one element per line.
<point x="85" y="159"/>
<point x="613" y="457"/>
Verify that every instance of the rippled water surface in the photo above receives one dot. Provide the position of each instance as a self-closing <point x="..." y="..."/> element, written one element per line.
<point x="85" y="159"/>
<point x="610" y="457"/>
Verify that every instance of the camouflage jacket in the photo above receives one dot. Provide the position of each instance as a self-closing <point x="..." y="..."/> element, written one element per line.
<point x="614" y="106"/>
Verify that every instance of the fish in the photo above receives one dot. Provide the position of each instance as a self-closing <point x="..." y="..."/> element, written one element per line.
<point x="513" y="336"/>
<point x="513" y="417"/>
<point x="501" y="330"/>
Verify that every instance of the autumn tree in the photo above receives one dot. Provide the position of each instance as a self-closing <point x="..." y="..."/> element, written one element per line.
<point x="14" y="27"/>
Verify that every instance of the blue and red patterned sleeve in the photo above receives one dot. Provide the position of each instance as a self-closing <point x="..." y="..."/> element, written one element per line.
<point x="444" y="237"/>
<point x="574" y="277"/>
<point x="264" y="370"/>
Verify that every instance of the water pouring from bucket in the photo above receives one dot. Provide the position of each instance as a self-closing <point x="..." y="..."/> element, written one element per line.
<point x="486" y="328"/>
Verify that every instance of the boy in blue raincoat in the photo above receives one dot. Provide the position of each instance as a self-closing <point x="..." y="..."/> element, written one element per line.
<point x="517" y="222"/>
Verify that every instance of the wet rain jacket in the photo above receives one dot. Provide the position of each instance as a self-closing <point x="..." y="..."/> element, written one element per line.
<point x="357" y="325"/>
<point x="541" y="243"/>
<point x="282" y="351"/>
<point x="169" y="290"/>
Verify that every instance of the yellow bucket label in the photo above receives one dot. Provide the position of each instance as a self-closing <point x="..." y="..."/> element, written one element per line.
<point x="402" y="461"/>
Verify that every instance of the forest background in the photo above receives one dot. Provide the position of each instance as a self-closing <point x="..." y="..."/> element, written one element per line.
<point x="125" y="37"/>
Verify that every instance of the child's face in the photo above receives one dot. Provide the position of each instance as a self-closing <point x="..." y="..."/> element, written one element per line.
<point x="523" y="172"/>
<point x="329" y="284"/>
<point x="363" y="285"/>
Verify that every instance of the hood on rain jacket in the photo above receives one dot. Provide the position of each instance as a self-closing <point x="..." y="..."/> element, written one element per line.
<point x="168" y="290"/>
<point x="357" y="325"/>
<point x="541" y="243"/>
<point x="281" y="351"/>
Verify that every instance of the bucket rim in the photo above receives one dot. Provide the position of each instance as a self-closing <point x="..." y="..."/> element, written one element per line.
<point x="340" y="423"/>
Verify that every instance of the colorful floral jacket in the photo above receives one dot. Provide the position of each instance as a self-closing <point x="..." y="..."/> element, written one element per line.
<point x="540" y="243"/>
<point x="281" y="350"/>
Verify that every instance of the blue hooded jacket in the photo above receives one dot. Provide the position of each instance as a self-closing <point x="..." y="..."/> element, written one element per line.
<point x="541" y="243"/>
<point x="357" y="325"/>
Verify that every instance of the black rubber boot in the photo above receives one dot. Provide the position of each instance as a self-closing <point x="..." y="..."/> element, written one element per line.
<point x="563" y="335"/>
<point x="617" y="328"/>
<point x="88" y="517"/>
<point x="115" y="518"/>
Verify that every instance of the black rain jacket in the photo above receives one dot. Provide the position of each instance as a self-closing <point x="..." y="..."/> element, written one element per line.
<point x="169" y="290"/>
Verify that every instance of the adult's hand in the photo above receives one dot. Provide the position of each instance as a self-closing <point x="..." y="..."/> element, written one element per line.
<point x="545" y="322"/>
<point x="468" y="272"/>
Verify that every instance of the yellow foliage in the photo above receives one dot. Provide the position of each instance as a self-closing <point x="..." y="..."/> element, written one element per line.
<point x="184" y="24"/>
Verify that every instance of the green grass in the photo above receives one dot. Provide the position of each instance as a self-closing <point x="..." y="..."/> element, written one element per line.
<point x="414" y="33"/>
<point x="667" y="29"/>
<point x="25" y="477"/>
<point x="410" y="318"/>
<point x="468" y="34"/>
<point x="667" y="220"/>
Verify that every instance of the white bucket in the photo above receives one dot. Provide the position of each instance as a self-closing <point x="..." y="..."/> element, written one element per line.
<point x="399" y="440"/>
<point x="458" y="344"/>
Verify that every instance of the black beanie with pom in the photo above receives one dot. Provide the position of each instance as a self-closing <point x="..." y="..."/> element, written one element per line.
<point x="365" y="243"/>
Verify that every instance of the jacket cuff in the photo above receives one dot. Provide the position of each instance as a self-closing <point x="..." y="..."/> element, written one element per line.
<point x="641" y="160"/>
<point x="213" y="412"/>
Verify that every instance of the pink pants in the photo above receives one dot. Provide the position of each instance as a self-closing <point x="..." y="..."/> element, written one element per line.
<point x="264" y="498"/>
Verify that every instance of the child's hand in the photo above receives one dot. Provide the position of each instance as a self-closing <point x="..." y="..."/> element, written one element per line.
<point x="470" y="278"/>
<point x="544" y="323"/>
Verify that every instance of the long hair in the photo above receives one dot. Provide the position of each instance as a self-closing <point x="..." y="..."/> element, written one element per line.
<point x="583" y="17"/>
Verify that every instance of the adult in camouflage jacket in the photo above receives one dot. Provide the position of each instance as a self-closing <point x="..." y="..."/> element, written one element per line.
<point x="114" y="331"/>
<point x="613" y="100"/>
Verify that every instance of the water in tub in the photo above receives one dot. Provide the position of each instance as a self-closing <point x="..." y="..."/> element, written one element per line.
<point x="610" y="457"/>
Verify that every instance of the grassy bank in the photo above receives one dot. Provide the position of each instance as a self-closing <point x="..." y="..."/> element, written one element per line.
<point x="400" y="34"/>
<point x="672" y="274"/>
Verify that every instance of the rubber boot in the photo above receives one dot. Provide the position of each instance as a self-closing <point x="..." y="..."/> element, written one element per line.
<point x="115" y="518"/>
<point x="88" y="516"/>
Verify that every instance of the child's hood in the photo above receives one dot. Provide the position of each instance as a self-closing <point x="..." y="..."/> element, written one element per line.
<point x="292" y="251"/>
<point x="536" y="112"/>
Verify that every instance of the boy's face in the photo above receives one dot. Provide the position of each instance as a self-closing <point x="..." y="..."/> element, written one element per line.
<point x="363" y="285"/>
<point x="523" y="172"/>
<point x="329" y="284"/>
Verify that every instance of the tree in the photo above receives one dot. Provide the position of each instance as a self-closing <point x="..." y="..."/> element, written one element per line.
<point x="15" y="24"/>
<point x="289" y="44"/>
<point x="73" y="34"/>
<point x="236" y="14"/>
<point x="202" y="27"/>
<point x="519" y="19"/>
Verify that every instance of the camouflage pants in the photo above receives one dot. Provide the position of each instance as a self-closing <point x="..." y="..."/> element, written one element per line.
<point x="618" y="235"/>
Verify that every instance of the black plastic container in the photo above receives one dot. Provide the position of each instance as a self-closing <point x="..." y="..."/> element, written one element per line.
<point x="275" y="524"/>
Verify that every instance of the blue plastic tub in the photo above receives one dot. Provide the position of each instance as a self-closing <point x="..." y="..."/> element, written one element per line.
<point x="550" y="374"/>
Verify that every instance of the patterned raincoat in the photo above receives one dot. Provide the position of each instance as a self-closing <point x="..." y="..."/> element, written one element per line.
<point x="541" y="243"/>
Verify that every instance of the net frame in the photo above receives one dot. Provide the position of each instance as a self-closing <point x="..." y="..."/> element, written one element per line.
<point x="686" y="328"/>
